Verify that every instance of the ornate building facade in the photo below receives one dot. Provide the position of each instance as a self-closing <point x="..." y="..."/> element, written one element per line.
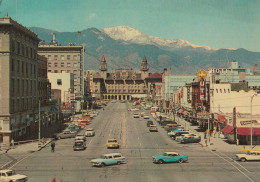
<point x="123" y="83"/>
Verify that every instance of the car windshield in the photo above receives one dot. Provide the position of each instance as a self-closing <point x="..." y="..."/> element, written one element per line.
<point x="10" y="173"/>
<point x="112" y="141"/>
<point x="78" y="143"/>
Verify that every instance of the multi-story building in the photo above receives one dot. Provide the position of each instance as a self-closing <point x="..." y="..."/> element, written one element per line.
<point x="123" y="83"/>
<point x="19" y="77"/>
<point x="69" y="59"/>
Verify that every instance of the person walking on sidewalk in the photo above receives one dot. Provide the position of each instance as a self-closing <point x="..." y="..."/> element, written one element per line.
<point x="52" y="146"/>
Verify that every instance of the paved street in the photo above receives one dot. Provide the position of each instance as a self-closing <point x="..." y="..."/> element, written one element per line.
<point x="137" y="145"/>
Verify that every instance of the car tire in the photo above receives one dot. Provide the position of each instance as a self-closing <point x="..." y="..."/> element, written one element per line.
<point x="103" y="164"/>
<point x="59" y="138"/>
<point x="180" y="160"/>
<point x="160" y="161"/>
<point x="118" y="162"/>
<point x="243" y="159"/>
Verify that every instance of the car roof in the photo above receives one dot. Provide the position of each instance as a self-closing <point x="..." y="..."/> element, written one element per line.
<point x="171" y="153"/>
<point x="152" y="125"/>
<point x="112" y="154"/>
<point x="5" y="170"/>
<point x="254" y="151"/>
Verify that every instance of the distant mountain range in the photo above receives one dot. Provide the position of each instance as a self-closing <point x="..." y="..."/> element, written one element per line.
<point x="125" y="46"/>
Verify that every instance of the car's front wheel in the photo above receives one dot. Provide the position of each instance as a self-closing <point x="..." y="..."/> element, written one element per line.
<point x="118" y="162"/>
<point x="102" y="164"/>
<point x="243" y="159"/>
<point x="180" y="160"/>
<point x="160" y="161"/>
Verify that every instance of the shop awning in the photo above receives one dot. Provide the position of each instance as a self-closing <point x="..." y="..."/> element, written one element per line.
<point x="246" y="131"/>
<point x="228" y="129"/>
<point x="222" y="118"/>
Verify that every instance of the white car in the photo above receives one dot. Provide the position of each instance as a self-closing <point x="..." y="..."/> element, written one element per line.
<point x="136" y="115"/>
<point x="146" y="117"/>
<point x="10" y="175"/>
<point x="249" y="156"/>
<point x="89" y="132"/>
<point x="80" y="137"/>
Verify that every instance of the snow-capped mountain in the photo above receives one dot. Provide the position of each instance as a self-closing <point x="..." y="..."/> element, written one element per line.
<point x="132" y="35"/>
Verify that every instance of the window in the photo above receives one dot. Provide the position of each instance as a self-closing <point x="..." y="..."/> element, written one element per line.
<point x="49" y="57"/>
<point x="74" y="72"/>
<point x="22" y="67"/>
<point x="75" y="65"/>
<point x="68" y="57"/>
<point x="62" y="57"/>
<point x="49" y="71"/>
<point x="55" y="57"/>
<point x="55" y="71"/>
<point x="220" y="90"/>
<point x="75" y="57"/>
<point x="68" y="71"/>
<point x="27" y="51"/>
<point x="59" y="82"/>
<point x="13" y="65"/>
<point x="22" y="49"/>
<point x="55" y="64"/>
<point x="49" y="64"/>
<point x="61" y="64"/>
<point x="68" y="64"/>
<point x="18" y="47"/>
<point x="31" y="52"/>
<point x="217" y="90"/>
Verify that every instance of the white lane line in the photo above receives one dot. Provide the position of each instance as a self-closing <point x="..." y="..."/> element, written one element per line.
<point x="234" y="166"/>
<point x="20" y="161"/>
<point x="90" y="141"/>
<point x="6" y="164"/>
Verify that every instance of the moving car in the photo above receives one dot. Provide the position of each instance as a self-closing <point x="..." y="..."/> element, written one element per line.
<point x="80" y="137"/>
<point x="79" y="145"/>
<point x="149" y="123"/>
<point x="249" y="156"/>
<point x="169" y="157"/>
<point x="112" y="143"/>
<point x="142" y="114"/>
<point x="136" y="115"/>
<point x="109" y="159"/>
<point x="165" y="122"/>
<point x="153" y="128"/>
<point x="176" y="133"/>
<point x="146" y="117"/>
<point x="89" y="132"/>
<point x="10" y="175"/>
<point x="179" y="138"/>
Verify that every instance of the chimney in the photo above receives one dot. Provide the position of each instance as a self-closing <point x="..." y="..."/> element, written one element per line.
<point x="255" y="69"/>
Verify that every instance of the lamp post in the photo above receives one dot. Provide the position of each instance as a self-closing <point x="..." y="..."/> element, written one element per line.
<point x="251" y="127"/>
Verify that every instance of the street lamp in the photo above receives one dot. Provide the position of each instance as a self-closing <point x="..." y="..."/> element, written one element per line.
<point x="251" y="128"/>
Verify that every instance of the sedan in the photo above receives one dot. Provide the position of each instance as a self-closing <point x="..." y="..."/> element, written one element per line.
<point x="153" y="128"/>
<point x="167" y="157"/>
<point x="146" y="117"/>
<point x="136" y="115"/>
<point x="109" y="159"/>
<point x="249" y="156"/>
<point x="149" y="123"/>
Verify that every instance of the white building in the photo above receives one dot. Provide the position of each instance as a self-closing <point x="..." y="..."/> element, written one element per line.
<point x="64" y="82"/>
<point x="223" y="99"/>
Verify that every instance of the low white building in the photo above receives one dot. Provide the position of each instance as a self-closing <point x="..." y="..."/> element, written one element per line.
<point x="223" y="99"/>
<point x="64" y="82"/>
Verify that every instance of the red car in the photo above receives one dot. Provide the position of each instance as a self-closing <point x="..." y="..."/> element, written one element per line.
<point x="82" y="123"/>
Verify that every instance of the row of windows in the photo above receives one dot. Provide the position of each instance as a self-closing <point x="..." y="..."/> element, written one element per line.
<point x="62" y="64"/>
<point x="24" y="104"/>
<point x="61" y="57"/>
<point x="22" y="87"/>
<point x="23" y="67"/>
<point x="68" y="71"/>
<point x="21" y="49"/>
<point x="224" y="90"/>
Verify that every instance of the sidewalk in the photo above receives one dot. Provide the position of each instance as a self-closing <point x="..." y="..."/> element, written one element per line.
<point x="215" y="144"/>
<point x="24" y="148"/>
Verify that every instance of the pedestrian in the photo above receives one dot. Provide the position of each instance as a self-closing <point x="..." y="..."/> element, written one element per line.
<point x="12" y="142"/>
<point x="52" y="146"/>
<point x="205" y="134"/>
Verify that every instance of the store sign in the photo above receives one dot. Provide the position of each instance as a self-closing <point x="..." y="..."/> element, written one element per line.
<point x="202" y="90"/>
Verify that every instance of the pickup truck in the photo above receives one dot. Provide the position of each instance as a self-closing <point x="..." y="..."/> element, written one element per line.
<point x="64" y="134"/>
<point x="10" y="175"/>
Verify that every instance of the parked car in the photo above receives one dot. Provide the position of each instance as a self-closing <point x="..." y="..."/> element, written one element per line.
<point x="149" y="123"/>
<point x="175" y="128"/>
<point x="165" y="122"/>
<point x="249" y="156"/>
<point x="176" y="133"/>
<point x="109" y="159"/>
<point x="191" y="139"/>
<point x="136" y="115"/>
<point x="64" y="134"/>
<point x="83" y="123"/>
<point x="142" y="114"/>
<point x="112" y="143"/>
<point x="10" y="175"/>
<point x="89" y="132"/>
<point x="179" y="138"/>
<point x="80" y="137"/>
<point x="169" y="157"/>
<point x="79" y="145"/>
<point x="169" y="126"/>
<point x="146" y="117"/>
<point x="153" y="128"/>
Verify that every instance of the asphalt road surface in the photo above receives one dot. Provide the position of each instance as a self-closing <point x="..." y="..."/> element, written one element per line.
<point x="137" y="145"/>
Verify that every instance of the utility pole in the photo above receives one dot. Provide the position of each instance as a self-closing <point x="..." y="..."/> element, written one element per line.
<point x="39" y="133"/>
<point x="173" y="107"/>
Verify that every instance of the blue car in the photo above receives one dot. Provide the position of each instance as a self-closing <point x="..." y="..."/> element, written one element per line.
<point x="167" y="157"/>
<point x="109" y="159"/>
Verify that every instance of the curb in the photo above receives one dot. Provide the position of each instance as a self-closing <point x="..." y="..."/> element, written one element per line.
<point x="40" y="148"/>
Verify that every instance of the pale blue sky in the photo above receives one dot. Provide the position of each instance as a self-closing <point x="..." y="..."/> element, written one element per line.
<point x="214" y="23"/>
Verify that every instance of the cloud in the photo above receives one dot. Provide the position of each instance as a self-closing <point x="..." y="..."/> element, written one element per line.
<point x="91" y="16"/>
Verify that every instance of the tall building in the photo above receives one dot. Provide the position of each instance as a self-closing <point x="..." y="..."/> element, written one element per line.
<point x="122" y="83"/>
<point x="69" y="59"/>
<point x="21" y="74"/>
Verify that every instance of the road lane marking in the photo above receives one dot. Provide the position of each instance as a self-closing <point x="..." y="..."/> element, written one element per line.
<point x="234" y="166"/>
<point x="20" y="161"/>
<point x="123" y="132"/>
<point x="90" y="141"/>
